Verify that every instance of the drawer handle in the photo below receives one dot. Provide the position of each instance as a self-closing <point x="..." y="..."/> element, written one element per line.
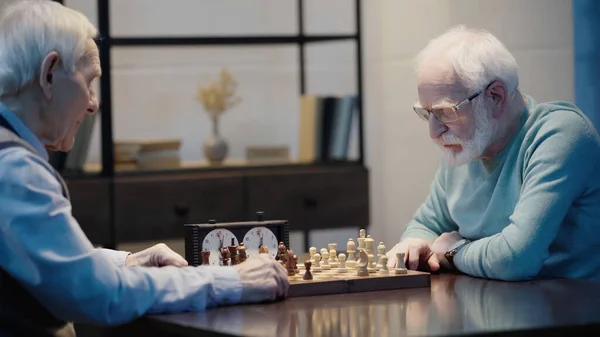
<point x="181" y="210"/>
<point x="310" y="203"/>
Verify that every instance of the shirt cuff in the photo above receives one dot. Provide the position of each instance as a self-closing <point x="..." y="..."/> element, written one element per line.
<point x="118" y="257"/>
<point x="226" y="285"/>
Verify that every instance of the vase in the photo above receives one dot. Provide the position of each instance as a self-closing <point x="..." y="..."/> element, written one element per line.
<point x="215" y="147"/>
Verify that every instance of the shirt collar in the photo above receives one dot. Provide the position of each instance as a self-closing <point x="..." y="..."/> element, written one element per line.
<point x="23" y="131"/>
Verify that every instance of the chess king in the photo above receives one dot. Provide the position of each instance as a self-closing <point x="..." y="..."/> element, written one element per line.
<point x="518" y="192"/>
<point x="50" y="273"/>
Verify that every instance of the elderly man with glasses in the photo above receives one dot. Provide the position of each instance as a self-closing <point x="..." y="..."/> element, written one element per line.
<point x="518" y="193"/>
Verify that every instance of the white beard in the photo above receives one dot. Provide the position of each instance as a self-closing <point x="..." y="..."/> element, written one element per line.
<point x="485" y="132"/>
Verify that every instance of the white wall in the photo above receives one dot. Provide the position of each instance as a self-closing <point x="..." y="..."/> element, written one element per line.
<point x="154" y="87"/>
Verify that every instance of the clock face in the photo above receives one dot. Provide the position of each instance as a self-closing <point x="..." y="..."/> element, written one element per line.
<point x="257" y="236"/>
<point x="214" y="241"/>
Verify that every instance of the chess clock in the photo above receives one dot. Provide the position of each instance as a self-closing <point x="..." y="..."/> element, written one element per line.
<point x="213" y="236"/>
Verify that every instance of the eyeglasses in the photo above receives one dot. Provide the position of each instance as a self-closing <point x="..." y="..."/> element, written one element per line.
<point x="447" y="114"/>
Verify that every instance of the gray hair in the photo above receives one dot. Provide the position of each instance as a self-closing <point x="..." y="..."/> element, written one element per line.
<point x="478" y="58"/>
<point x="31" y="29"/>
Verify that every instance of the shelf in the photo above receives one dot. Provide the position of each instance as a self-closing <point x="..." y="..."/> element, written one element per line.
<point x="225" y="40"/>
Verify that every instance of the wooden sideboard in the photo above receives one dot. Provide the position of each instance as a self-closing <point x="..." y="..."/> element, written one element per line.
<point x="155" y="206"/>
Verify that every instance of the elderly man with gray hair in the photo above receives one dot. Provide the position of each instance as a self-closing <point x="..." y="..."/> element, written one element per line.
<point x="518" y="193"/>
<point x="50" y="274"/>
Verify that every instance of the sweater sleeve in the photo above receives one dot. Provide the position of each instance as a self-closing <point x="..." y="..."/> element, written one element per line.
<point x="432" y="217"/>
<point x="557" y="160"/>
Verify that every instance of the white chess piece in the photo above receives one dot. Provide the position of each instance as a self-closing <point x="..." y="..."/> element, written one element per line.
<point x="325" y="261"/>
<point x="316" y="267"/>
<point x="383" y="260"/>
<point x="361" y="240"/>
<point x="400" y="264"/>
<point x="380" y="253"/>
<point x="333" y="257"/>
<point x="362" y="264"/>
<point x="342" y="265"/>
<point x="350" y="249"/>
<point x="312" y="251"/>
<point x="371" y="263"/>
<point x="369" y="243"/>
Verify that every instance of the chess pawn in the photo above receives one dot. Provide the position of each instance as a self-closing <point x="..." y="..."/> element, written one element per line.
<point x="323" y="250"/>
<point x="242" y="253"/>
<point x="307" y="274"/>
<point x="400" y="264"/>
<point x="342" y="265"/>
<point x="383" y="260"/>
<point x="317" y="265"/>
<point x="371" y="263"/>
<point x="380" y="253"/>
<point x="333" y="261"/>
<point x="325" y="265"/>
<point x="281" y="252"/>
<point x="312" y="251"/>
<point x="350" y="249"/>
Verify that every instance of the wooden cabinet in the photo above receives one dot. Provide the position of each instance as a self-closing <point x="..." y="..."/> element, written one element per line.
<point x="330" y="197"/>
<point x="157" y="207"/>
<point x="90" y="201"/>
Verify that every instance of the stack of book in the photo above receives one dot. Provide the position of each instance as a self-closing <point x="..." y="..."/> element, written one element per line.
<point x="326" y="127"/>
<point x="152" y="154"/>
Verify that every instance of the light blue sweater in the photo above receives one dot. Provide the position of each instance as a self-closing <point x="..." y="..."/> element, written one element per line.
<point x="534" y="209"/>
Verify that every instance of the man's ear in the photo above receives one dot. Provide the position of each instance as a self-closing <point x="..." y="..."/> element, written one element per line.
<point x="47" y="73"/>
<point x="499" y="95"/>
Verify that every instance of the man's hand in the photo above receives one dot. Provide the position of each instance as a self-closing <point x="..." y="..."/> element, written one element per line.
<point x="417" y="253"/>
<point x="442" y="245"/>
<point x="263" y="279"/>
<point x="159" y="255"/>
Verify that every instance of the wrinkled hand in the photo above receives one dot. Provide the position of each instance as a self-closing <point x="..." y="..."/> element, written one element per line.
<point x="159" y="255"/>
<point x="442" y="245"/>
<point x="417" y="253"/>
<point x="263" y="279"/>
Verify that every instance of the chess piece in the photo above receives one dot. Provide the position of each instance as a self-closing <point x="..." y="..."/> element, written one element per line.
<point x="233" y="253"/>
<point x="383" y="260"/>
<point x="323" y="250"/>
<point x="369" y="243"/>
<point x="312" y="251"/>
<point x="400" y="264"/>
<point x="296" y="269"/>
<point x="205" y="257"/>
<point x="281" y="252"/>
<point x="350" y="249"/>
<point x="362" y="264"/>
<point x="371" y="263"/>
<point x="290" y="264"/>
<point x="361" y="239"/>
<point x="224" y="256"/>
<point x="380" y="253"/>
<point x="325" y="261"/>
<point x="333" y="256"/>
<point x="317" y="266"/>
<point x="307" y="274"/>
<point x="242" y="253"/>
<point x="342" y="265"/>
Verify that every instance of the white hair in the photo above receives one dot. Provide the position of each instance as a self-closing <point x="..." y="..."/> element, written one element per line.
<point x="478" y="58"/>
<point x="31" y="29"/>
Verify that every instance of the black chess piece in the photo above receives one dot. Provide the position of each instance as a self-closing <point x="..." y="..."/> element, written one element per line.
<point x="205" y="257"/>
<point x="307" y="274"/>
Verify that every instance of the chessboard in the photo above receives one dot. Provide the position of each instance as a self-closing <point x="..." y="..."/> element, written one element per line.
<point x="355" y="270"/>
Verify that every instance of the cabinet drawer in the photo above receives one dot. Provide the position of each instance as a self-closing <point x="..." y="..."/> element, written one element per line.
<point x="156" y="208"/>
<point x="90" y="200"/>
<point x="320" y="198"/>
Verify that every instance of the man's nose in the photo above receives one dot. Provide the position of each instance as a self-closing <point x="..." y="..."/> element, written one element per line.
<point x="436" y="128"/>
<point x="94" y="105"/>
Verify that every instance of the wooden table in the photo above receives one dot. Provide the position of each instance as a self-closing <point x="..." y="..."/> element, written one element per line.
<point x="454" y="305"/>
